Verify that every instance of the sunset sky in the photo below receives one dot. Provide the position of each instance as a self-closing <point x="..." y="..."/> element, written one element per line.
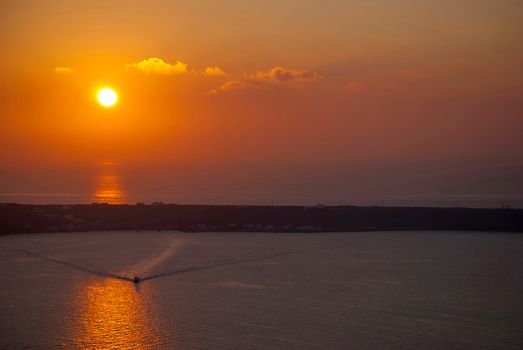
<point x="403" y="102"/>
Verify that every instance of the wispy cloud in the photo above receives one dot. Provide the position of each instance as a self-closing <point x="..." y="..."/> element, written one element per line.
<point x="157" y="66"/>
<point x="277" y="76"/>
<point x="63" y="70"/>
<point x="240" y="85"/>
<point x="287" y="76"/>
<point x="213" y="72"/>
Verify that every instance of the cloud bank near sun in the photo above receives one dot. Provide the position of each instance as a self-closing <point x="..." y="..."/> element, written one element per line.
<point x="277" y="76"/>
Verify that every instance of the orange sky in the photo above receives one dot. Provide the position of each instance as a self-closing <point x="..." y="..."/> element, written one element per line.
<point x="249" y="101"/>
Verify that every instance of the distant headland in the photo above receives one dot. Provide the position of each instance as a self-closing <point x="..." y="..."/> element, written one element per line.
<point x="25" y="218"/>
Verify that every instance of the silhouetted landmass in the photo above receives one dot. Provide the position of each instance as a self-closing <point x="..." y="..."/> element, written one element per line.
<point x="18" y="218"/>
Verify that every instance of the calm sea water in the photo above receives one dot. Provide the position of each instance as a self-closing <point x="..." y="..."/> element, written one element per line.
<point x="393" y="290"/>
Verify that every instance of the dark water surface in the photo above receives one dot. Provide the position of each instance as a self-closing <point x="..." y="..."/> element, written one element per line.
<point x="386" y="290"/>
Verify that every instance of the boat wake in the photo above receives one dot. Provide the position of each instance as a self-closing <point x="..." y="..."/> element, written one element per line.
<point x="91" y="270"/>
<point x="215" y="265"/>
<point x="143" y="278"/>
<point x="168" y="249"/>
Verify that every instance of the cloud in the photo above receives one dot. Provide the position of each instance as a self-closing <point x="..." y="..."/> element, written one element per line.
<point x="213" y="72"/>
<point x="63" y="70"/>
<point x="157" y="66"/>
<point x="277" y="76"/>
<point x="285" y="76"/>
<point x="237" y="85"/>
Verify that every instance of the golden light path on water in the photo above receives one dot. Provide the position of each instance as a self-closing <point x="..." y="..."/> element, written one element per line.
<point x="113" y="314"/>
<point x="109" y="188"/>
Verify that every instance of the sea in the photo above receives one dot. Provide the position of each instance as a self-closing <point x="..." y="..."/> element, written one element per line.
<point x="358" y="290"/>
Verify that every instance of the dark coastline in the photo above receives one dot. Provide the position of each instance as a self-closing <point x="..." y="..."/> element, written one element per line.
<point x="21" y="218"/>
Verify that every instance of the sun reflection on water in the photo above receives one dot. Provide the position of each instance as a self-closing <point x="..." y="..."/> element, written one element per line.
<point x="113" y="314"/>
<point x="109" y="187"/>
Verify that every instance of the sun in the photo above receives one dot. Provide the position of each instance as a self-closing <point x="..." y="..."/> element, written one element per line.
<point x="107" y="97"/>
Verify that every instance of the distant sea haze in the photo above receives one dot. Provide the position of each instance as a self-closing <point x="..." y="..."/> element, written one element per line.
<point x="112" y="193"/>
<point x="116" y="183"/>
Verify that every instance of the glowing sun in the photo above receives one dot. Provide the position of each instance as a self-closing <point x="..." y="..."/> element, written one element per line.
<point x="107" y="97"/>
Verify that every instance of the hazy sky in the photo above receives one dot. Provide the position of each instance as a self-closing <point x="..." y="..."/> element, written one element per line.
<point x="363" y="102"/>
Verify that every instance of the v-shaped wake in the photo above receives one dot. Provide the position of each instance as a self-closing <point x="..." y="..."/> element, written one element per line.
<point x="91" y="270"/>
<point x="138" y="279"/>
